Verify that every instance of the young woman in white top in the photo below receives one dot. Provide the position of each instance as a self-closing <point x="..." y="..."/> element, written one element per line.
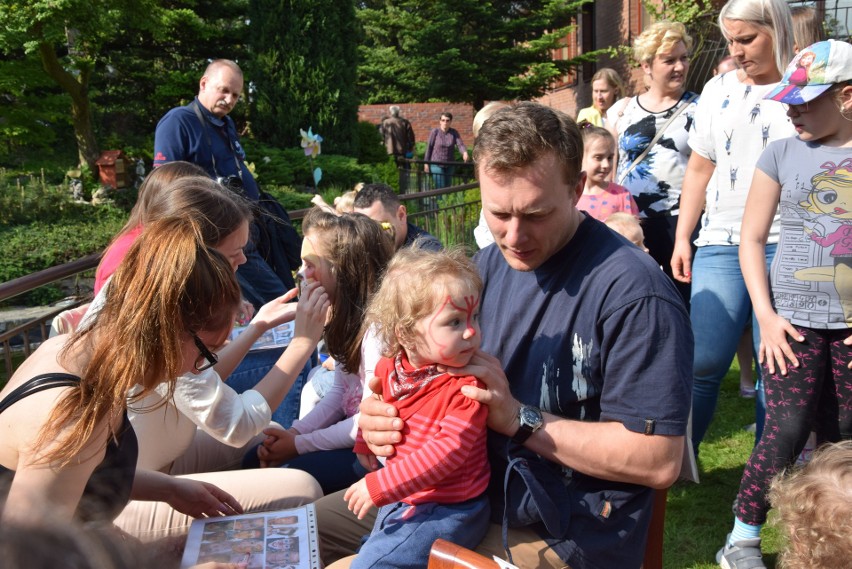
<point x="200" y="426"/>
<point x="733" y="124"/>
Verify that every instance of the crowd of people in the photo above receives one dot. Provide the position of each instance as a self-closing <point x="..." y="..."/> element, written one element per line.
<point x="526" y="403"/>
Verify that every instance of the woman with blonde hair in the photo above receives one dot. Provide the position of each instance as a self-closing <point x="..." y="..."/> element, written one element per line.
<point x="607" y="88"/>
<point x="652" y="130"/>
<point x="733" y="125"/>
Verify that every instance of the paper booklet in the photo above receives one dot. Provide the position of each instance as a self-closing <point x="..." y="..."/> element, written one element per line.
<point x="277" y="337"/>
<point x="285" y="539"/>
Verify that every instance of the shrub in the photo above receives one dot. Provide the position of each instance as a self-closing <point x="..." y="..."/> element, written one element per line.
<point x="290" y="167"/>
<point x="33" y="247"/>
<point x="371" y="147"/>
<point x="28" y="198"/>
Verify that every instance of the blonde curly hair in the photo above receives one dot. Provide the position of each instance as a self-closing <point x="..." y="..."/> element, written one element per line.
<point x="660" y="37"/>
<point x="813" y="506"/>
<point x="415" y="284"/>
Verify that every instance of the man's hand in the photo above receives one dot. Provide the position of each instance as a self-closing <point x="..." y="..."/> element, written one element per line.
<point x="201" y="499"/>
<point x="278" y="447"/>
<point x="359" y="499"/>
<point x="502" y="407"/>
<point x="380" y="426"/>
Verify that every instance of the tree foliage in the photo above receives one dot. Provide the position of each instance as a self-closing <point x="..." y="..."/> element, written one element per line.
<point x="303" y="68"/>
<point x="68" y="37"/>
<point x="129" y="59"/>
<point x="461" y="50"/>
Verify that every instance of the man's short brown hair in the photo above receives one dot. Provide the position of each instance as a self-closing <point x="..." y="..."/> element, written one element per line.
<point x="515" y="137"/>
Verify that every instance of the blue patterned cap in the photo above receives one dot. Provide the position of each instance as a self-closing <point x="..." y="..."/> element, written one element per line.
<point x="813" y="71"/>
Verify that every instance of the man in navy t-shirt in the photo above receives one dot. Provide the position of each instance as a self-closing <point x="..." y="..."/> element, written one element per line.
<point x="203" y="133"/>
<point x="586" y="358"/>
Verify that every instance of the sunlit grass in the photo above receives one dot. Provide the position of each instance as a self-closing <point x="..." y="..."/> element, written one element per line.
<point x="699" y="516"/>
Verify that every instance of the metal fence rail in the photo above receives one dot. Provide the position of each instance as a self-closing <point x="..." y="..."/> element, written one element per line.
<point x="20" y="338"/>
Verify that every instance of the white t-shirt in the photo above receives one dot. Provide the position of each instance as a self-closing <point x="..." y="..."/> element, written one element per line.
<point x="733" y="125"/>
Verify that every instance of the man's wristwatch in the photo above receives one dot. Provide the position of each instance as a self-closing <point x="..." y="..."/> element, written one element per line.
<point x="529" y="420"/>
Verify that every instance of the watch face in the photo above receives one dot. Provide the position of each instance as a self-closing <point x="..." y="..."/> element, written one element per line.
<point x="530" y="416"/>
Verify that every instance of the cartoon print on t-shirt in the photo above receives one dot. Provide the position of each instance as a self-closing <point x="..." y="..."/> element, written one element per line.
<point x="827" y="214"/>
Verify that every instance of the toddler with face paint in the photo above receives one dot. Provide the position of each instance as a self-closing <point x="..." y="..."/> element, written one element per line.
<point x="426" y="314"/>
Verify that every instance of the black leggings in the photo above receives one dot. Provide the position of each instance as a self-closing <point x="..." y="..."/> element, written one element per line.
<point x="815" y="396"/>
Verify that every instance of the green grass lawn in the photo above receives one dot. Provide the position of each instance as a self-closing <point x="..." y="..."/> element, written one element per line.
<point x="698" y="516"/>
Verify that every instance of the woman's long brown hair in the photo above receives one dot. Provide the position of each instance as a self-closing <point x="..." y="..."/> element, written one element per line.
<point x="170" y="284"/>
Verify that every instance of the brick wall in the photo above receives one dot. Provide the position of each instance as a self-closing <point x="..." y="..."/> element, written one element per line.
<point x="424" y="117"/>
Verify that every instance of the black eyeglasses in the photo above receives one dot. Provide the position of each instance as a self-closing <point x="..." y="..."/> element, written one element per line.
<point x="207" y="359"/>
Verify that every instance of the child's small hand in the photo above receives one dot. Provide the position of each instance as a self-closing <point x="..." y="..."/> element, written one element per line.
<point x="278" y="447"/>
<point x="359" y="499"/>
<point x="246" y="313"/>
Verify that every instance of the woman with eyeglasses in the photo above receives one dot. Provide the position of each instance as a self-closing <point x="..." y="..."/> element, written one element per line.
<point x="200" y="425"/>
<point x="67" y="441"/>
<point x="440" y="149"/>
<point x="733" y="125"/>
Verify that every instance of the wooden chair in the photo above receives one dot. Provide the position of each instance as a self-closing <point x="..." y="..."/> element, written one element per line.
<point x="447" y="555"/>
<point x="654" y="547"/>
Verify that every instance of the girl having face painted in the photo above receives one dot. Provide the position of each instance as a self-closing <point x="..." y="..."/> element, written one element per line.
<point x="347" y="256"/>
<point x="434" y="485"/>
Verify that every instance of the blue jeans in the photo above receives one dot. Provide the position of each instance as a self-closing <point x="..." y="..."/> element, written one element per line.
<point x="720" y="310"/>
<point x="442" y="176"/>
<point x="255" y="366"/>
<point x="258" y="282"/>
<point x="404" y="534"/>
